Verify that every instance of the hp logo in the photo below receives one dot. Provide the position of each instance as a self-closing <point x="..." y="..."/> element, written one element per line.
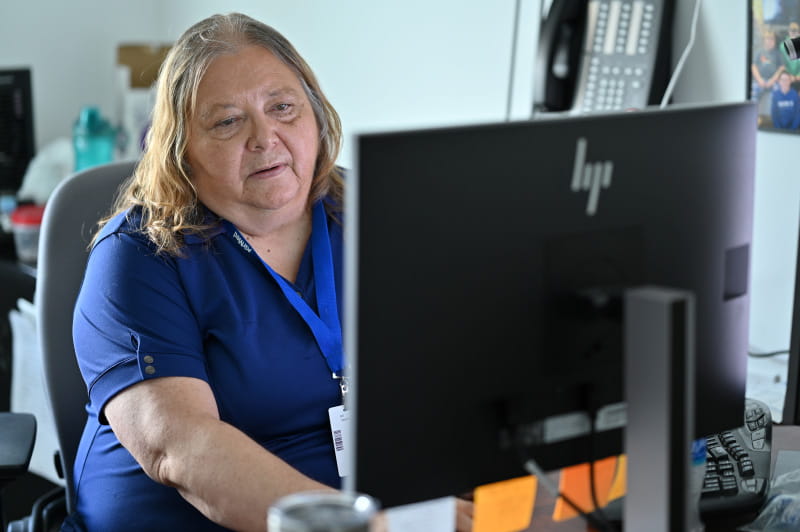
<point x="590" y="176"/>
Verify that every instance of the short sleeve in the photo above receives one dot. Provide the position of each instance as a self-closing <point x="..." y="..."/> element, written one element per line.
<point x="133" y="320"/>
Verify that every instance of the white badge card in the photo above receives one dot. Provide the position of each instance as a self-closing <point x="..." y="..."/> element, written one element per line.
<point x="340" y="430"/>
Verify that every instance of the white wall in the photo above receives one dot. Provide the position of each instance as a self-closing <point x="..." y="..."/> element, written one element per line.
<point x="71" y="48"/>
<point x="392" y="64"/>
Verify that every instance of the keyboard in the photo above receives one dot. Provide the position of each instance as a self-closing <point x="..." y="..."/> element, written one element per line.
<point x="737" y="476"/>
<point x="738" y="464"/>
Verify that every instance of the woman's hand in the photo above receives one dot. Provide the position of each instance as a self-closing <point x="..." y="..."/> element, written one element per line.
<point x="464" y="512"/>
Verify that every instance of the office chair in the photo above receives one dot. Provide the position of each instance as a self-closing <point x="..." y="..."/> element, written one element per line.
<point x="16" y="447"/>
<point x="69" y="221"/>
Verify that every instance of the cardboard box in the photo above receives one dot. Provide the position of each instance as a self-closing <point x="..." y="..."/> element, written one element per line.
<point x="137" y="70"/>
<point x="143" y="60"/>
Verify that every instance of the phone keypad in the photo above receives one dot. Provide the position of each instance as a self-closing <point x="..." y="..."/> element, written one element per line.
<point x="620" y="49"/>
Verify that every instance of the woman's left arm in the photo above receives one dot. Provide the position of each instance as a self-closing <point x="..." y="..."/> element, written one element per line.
<point x="172" y="428"/>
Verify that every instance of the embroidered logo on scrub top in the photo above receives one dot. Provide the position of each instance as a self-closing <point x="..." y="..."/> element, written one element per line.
<point x="241" y="242"/>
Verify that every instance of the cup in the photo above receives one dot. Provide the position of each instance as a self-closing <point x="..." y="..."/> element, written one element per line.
<point x="25" y="223"/>
<point x="323" y="511"/>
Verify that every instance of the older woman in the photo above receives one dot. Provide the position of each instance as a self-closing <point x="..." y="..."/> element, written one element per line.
<point x="207" y="328"/>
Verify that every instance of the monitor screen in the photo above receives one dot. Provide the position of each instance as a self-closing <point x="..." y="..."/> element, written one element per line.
<point x="485" y="270"/>
<point x="16" y="127"/>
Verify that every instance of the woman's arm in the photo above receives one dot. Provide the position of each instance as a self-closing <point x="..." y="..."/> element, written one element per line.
<point x="171" y="426"/>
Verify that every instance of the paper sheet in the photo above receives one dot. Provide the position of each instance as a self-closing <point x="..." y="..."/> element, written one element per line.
<point x="437" y="515"/>
<point x="28" y="391"/>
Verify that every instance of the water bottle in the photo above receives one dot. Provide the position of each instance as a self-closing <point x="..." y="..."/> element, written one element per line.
<point x="697" y="473"/>
<point x="94" y="139"/>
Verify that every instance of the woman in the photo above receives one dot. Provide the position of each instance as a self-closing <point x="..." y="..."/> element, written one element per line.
<point x="195" y="359"/>
<point x="207" y="328"/>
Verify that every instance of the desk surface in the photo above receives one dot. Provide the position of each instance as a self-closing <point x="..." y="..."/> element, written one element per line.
<point x="783" y="438"/>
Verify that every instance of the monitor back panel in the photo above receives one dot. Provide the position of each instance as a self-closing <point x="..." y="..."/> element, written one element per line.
<point x="477" y="253"/>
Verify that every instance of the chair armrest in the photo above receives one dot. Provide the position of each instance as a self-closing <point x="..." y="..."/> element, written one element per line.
<point x="17" y="436"/>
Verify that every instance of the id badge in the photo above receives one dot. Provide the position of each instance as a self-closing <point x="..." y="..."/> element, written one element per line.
<point x="340" y="430"/>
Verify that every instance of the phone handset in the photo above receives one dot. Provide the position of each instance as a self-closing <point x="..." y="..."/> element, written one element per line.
<point x="558" y="55"/>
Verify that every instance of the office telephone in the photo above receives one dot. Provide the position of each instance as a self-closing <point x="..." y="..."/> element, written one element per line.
<point x="602" y="55"/>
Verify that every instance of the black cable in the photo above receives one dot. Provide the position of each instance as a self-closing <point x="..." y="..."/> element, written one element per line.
<point x="592" y="485"/>
<point x="513" y="61"/>
<point x="588" y="393"/>
<point x="768" y="353"/>
<point x="588" y="517"/>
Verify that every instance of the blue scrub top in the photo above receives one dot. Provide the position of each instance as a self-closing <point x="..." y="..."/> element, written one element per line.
<point x="213" y="314"/>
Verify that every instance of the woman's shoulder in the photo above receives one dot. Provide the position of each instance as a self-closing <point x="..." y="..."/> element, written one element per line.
<point x="128" y="221"/>
<point x="122" y="246"/>
<point x="125" y="231"/>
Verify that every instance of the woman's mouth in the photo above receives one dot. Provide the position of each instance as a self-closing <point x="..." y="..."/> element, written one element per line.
<point x="269" y="171"/>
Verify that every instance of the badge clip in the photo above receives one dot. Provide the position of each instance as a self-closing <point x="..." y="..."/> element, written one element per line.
<point x="344" y="385"/>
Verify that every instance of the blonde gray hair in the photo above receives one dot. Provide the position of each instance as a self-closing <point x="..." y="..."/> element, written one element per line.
<point x="161" y="185"/>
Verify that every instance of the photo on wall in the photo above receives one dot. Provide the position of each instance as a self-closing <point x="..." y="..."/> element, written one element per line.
<point x="773" y="77"/>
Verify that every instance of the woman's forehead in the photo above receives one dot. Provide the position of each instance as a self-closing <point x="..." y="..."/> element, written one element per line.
<point x="249" y="72"/>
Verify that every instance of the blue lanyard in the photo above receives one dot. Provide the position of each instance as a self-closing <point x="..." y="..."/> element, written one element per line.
<point x="324" y="326"/>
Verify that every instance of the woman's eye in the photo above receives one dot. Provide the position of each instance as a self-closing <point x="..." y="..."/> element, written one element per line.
<point x="283" y="107"/>
<point x="226" y="122"/>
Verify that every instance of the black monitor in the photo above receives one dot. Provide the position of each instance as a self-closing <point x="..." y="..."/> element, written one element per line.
<point x="485" y="270"/>
<point x="16" y="127"/>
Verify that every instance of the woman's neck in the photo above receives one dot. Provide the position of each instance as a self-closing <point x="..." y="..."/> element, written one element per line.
<point x="282" y="244"/>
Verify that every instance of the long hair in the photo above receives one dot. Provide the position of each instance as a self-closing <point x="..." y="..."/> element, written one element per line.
<point x="161" y="185"/>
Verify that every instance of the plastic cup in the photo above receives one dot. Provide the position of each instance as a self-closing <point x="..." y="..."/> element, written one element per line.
<point x="26" y="221"/>
<point x="323" y="512"/>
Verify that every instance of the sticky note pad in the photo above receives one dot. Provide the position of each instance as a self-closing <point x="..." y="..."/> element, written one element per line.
<point x="575" y="484"/>
<point x="504" y="506"/>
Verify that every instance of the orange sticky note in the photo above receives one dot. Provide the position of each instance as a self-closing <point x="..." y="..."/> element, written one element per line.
<point x="575" y="484"/>
<point x="504" y="506"/>
<point x="620" y="486"/>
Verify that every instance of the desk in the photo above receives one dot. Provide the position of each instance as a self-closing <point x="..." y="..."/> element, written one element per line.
<point x="783" y="438"/>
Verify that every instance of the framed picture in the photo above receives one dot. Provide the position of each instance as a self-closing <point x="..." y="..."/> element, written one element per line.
<point x="773" y="78"/>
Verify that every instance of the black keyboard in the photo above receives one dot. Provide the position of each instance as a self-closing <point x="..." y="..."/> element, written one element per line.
<point x="738" y="465"/>
<point x="737" y="473"/>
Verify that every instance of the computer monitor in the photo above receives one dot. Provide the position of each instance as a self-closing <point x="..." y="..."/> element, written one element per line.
<point x="16" y="127"/>
<point x="484" y="275"/>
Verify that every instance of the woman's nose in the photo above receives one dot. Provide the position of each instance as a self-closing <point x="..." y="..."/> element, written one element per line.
<point x="263" y="134"/>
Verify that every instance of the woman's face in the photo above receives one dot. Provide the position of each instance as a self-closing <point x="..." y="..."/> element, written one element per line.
<point x="253" y="138"/>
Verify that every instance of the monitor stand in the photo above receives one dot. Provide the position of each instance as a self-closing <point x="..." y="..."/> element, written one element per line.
<point x="659" y="392"/>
